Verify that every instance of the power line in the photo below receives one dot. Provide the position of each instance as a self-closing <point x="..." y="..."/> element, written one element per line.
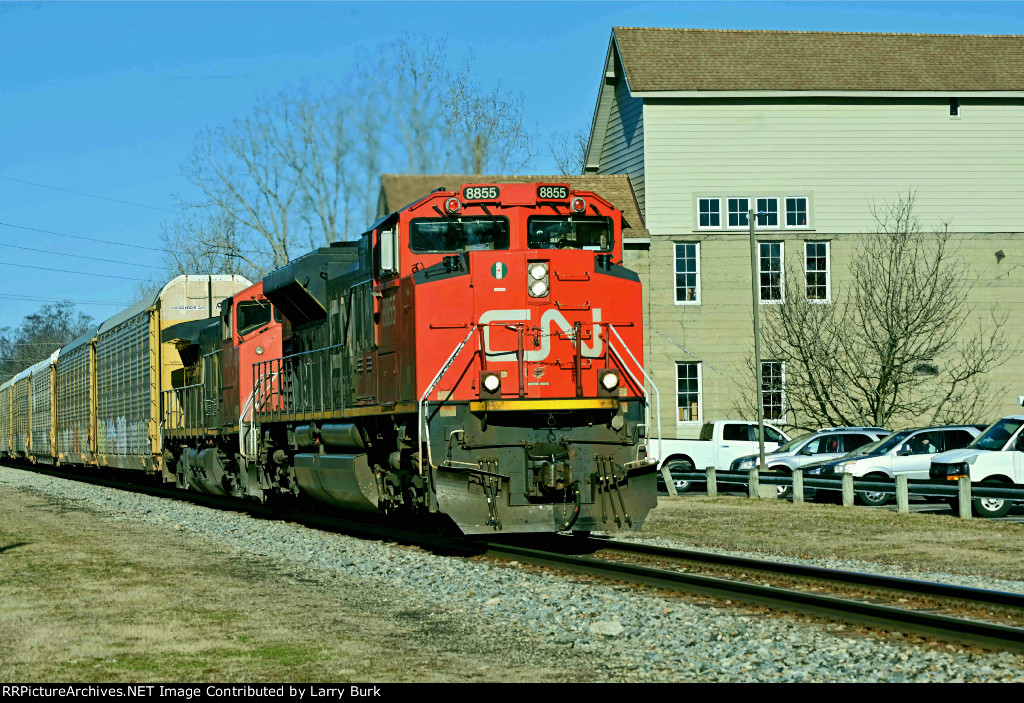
<point x="60" y="300"/>
<point x="81" y="273"/>
<point x="88" y="195"/>
<point x="75" y="236"/>
<point x="81" y="256"/>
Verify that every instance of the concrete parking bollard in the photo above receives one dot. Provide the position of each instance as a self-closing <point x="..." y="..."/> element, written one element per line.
<point x="847" y="490"/>
<point x="902" y="494"/>
<point x="712" y="481"/>
<point x="798" y="486"/>
<point x="767" y="491"/>
<point x="964" y="485"/>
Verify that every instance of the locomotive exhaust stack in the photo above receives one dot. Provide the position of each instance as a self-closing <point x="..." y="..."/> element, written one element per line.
<point x="474" y="358"/>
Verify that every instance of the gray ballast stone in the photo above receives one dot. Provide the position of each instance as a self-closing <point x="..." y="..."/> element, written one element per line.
<point x="635" y="636"/>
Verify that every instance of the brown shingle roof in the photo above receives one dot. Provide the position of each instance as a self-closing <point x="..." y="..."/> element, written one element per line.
<point x="713" y="59"/>
<point x="399" y="190"/>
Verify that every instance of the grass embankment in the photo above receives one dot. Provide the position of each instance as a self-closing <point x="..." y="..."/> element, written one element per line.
<point x="86" y="599"/>
<point x="923" y="541"/>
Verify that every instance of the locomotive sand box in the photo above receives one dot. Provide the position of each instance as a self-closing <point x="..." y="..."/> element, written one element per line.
<point x="475" y="357"/>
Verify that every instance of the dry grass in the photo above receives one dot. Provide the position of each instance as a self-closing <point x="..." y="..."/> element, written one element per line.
<point x="917" y="540"/>
<point x="86" y="599"/>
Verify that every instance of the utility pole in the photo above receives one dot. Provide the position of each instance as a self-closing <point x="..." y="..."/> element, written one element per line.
<point x="758" y="380"/>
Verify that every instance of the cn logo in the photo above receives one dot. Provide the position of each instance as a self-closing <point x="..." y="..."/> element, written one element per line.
<point x="549" y="318"/>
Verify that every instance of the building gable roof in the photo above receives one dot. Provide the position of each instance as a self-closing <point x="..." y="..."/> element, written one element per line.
<point x="719" y="60"/>
<point x="399" y="190"/>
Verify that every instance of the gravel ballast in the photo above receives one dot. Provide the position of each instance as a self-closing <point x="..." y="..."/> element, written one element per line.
<point x="629" y="634"/>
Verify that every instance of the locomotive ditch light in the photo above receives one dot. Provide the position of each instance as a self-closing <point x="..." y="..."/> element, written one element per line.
<point x="490" y="384"/>
<point x="537" y="280"/>
<point x="578" y="204"/>
<point x="452" y="205"/>
<point x="607" y="382"/>
<point x="259" y="351"/>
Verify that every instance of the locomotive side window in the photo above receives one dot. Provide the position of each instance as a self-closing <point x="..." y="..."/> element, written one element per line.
<point x="252" y="314"/>
<point x="225" y="326"/>
<point x="442" y="236"/>
<point x="593" y="233"/>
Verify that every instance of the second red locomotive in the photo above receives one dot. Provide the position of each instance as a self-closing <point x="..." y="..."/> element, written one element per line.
<point x="476" y="355"/>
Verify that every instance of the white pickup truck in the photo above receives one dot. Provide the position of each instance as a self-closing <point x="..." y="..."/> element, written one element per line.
<point x="995" y="458"/>
<point x="720" y="442"/>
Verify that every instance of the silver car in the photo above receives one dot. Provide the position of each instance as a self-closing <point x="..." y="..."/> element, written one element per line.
<point x="823" y="445"/>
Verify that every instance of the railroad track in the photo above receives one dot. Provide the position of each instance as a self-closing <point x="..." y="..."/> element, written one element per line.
<point x="957" y="614"/>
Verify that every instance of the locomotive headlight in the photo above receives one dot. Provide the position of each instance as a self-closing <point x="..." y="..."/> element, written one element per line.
<point x="537" y="279"/>
<point x="609" y="380"/>
<point x="259" y="351"/>
<point x="492" y="382"/>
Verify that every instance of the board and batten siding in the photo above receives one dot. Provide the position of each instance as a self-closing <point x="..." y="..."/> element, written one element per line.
<point x="623" y="149"/>
<point x="844" y="152"/>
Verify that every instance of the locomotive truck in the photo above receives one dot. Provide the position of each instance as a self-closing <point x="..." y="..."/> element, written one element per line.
<point x="474" y="359"/>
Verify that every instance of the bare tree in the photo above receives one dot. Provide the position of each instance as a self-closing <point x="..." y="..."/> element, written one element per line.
<point x="570" y="151"/>
<point x="900" y="343"/>
<point x="39" y="335"/>
<point x="485" y="127"/>
<point x="302" y="170"/>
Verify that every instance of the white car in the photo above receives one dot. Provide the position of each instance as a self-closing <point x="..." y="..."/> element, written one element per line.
<point x="996" y="458"/>
<point x="907" y="452"/>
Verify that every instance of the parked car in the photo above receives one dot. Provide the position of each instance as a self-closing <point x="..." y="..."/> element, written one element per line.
<point x="720" y="442"/>
<point x="906" y="452"/>
<point x="829" y="443"/>
<point x="995" y="458"/>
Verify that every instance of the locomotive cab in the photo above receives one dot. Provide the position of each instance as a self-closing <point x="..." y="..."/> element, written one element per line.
<point x="474" y="355"/>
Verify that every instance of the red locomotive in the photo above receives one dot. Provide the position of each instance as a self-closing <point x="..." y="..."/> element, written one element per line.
<point x="476" y="355"/>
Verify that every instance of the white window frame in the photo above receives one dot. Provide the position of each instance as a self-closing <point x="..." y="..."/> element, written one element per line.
<point x="744" y="212"/>
<point x="782" y="273"/>
<point x="782" y="390"/>
<point x="807" y="211"/>
<point x="715" y="227"/>
<point x="778" y="215"/>
<point x="675" y="262"/>
<point x="700" y="394"/>
<point x="828" y="272"/>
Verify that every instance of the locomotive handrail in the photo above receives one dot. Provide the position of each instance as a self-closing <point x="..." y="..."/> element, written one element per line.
<point x="424" y="430"/>
<point x="657" y="394"/>
<point x="250" y="407"/>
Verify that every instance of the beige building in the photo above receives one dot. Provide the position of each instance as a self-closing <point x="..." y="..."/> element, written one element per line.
<point x="811" y="128"/>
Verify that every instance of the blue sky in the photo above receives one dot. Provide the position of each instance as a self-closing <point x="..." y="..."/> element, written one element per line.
<point x="106" y="98"/>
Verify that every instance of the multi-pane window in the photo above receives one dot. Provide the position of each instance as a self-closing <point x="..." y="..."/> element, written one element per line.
<point x="770" y="269"/>
<point x="773" y="398"/>
<point x="777" y="211"/>
<point x="738" y="208"/>
<point x="767" y="212"/>
<point x="816" y="273"/>
<point x="796" y="212"/>
<point x="687" y="273"/>
<point x="688" y="401"/>
<point x="710" y="212"/>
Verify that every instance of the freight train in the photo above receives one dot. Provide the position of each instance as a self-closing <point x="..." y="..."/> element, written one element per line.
<point x="474" y="359"/>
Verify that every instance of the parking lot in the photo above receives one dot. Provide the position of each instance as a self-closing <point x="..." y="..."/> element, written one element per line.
<point x="917" y="505"/>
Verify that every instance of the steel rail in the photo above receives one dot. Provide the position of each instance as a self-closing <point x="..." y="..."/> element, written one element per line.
<point x="855" y="578"/>
<point x="888" y="617"/>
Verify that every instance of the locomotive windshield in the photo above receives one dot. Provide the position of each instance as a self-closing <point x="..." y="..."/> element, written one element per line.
<point x="440" y="236"/>
<point x="252" y="314"/>
<point x="570" y="232"/>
